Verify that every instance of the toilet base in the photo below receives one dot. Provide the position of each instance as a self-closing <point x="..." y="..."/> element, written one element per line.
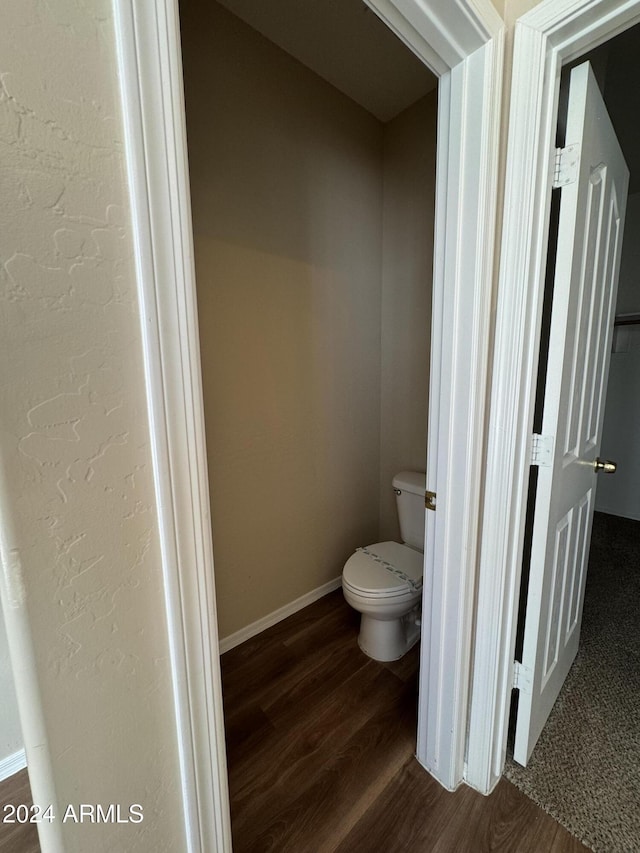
<point x="389" y="639"/>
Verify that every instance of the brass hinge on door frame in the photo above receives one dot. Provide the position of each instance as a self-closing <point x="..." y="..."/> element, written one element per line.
<point x="430" y="500"/>
<point x="566" y="166"/>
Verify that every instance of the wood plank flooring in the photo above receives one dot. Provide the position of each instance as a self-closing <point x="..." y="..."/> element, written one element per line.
<point x="17" y="837"/>
<point x="321" y="744"/>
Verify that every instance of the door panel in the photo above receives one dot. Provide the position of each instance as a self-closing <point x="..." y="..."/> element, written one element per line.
<point x="584" y="290"/>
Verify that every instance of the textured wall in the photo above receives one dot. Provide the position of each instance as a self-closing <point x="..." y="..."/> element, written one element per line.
<point x="74" y="430"/>
<point x="407" y="275"/>
<point x="287" y="192"/>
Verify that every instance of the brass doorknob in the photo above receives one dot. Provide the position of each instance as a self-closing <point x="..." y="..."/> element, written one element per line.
<point x="605" y="466"/>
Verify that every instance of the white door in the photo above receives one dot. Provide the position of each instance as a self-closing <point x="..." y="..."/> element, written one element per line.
<point x="594" y="180"/>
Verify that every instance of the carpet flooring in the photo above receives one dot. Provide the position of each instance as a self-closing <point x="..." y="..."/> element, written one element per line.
<point x="585" y="769"/>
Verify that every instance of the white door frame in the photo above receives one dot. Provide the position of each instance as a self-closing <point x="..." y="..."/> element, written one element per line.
<point x="462" y="43"/>
<point x="552" y="34"/>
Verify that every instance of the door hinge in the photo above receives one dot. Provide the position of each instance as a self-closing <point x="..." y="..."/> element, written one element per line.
<point x="430" y="500"/>
<point x="522" y="677"/>
<point x="566" y="166"/>
<point x="542" y="450"/>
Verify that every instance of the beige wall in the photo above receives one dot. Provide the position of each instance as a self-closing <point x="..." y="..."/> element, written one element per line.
<point x="409" y="199"/>
<point x="287" y="210"/>
<point x="10" y="732"/>
<point x="511" y="10"/>
<point x="74" y="432"/>
<point x="74" y="429"/>
<point x="282" y="167"/>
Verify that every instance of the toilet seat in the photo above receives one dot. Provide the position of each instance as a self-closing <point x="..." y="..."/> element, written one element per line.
<point x="384" y="570"/>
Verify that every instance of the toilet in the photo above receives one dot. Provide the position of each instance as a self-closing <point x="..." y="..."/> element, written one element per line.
<point x="383" y="582"/>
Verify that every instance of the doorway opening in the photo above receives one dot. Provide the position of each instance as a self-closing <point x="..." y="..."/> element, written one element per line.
<point x="462" y="44"/>
<point x="313" y="201"/>
<point x="313" y="231"/>
<point x="592" y="727"/>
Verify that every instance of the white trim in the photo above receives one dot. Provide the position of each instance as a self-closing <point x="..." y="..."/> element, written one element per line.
<point x="553" y="33"/>
<point x="467" y="40"/>
<point x="463" y="41"/>
<point x="469" y="97"/>
<point x="12" y="764"/>
<point x="441" y="33"/>
<point x="13" y="597"/>
<point x="255" y="628"/>
<point x="155" y="144"/>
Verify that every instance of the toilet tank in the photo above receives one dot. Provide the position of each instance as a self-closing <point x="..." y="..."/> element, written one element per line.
<point x="410" y="487"/>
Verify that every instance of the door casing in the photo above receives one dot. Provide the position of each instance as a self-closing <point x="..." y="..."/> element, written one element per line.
<point x="552" y="34"/>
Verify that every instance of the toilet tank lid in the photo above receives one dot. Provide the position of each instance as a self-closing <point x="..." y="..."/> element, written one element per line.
<point x="411" y="481"/>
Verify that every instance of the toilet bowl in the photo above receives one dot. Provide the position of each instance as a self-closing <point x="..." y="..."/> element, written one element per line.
<point x="383" y="581"/>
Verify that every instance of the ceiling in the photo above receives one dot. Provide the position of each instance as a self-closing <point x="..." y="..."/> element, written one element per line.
<point x="346" y="44"/>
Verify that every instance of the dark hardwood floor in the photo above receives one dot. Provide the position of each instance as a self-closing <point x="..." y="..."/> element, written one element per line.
<point x="320" y="746"/>
<point x="321" y="743"/>
<point x="17" y="837"/>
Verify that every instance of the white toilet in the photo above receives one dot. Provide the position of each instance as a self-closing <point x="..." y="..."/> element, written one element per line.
<point x="384" y="581"/>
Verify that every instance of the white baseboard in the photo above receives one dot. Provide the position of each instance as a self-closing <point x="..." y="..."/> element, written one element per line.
<point x="12" y="764"/>
<point x="243" y="634"/>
